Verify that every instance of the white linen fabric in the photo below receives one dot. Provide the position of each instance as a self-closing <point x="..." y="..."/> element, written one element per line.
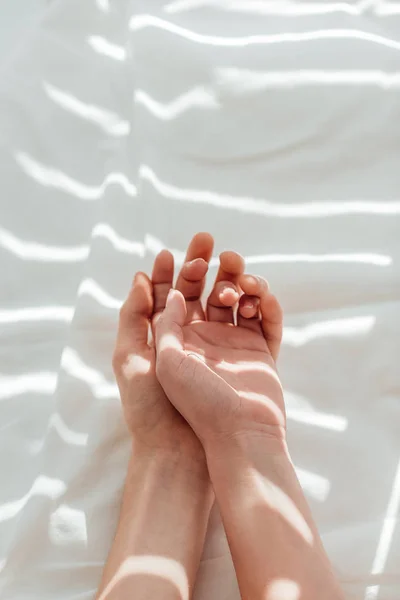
<point x="127" y="126"/>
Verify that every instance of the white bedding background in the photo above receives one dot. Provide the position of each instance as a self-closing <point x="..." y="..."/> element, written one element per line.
<point x="127" y="126"/>
<point x="16" y="18"/>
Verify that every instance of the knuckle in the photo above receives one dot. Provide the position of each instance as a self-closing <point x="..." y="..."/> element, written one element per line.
<point x="118" y="359"/>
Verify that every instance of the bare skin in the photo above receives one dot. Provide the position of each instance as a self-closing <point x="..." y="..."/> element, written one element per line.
<point x="206" y="402"/>
<point x="168" y="495"/>
<point x="222" y="378"/>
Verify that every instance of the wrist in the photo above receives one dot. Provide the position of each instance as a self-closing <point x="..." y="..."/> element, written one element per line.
<point x="172" y="462"/>
<point x="243" y="447"/>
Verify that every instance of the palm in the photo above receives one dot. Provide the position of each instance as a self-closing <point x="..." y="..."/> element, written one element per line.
<point x="238" y="369"/>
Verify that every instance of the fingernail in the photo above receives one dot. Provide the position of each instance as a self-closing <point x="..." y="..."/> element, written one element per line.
<point x="170" y="294"/>
<point x="195" y="261"/>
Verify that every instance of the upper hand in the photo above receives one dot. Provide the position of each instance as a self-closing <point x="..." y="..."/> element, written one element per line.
<point x="221" y="376"/>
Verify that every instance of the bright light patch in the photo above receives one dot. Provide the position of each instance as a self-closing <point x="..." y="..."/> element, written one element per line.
<point x="53" y="178"/>
<point x="298" y="336"/>
<point x="136" y="365"/>
<point x="242" y="366"/>
<point x="182" y="5"/>
<point x="379" y="260"/>
<point x="317" y="419"/>
<point x="74" y="438"/>
<point x="118" y="242"/>
<point x="158" y="566"/>
<point x="43" y="382"/>
<point x="280" y="502"/>
<point x="289" y="8"/>
<point x="72" y="364"/>
<point x="264" y="400"/>
<point x="108" y="121"/>
<point x="258" y="206"/>
<point x="140" y="22"/>
<point x="385" y="540"/>
<point x="387" y="8"/>
<point x="103" y="5"/>
<point x="34" y="251"/>
<point x="314" y="485"/>
<point x="67" y="525"/>
<point x="37" y="313"/>
<point x="283" y="589"/>
<point x="196" y="97"/>
<point x="168" y="341"/>
<point x="89" y="287"/>
<point x="242" y="81"/>
<point x="121" y="180"/>
<point x="43" y="486"/>
<point x="107" y="48"/>
<point x="300" y="409"/>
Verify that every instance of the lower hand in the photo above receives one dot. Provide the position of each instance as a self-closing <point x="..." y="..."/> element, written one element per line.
<point x="152" y="420"/>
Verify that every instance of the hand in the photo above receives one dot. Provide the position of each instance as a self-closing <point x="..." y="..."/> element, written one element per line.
<point x="152" y="420"/>
<point x="220" y="376"/>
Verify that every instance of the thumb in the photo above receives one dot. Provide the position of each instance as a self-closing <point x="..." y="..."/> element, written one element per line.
<point x="135" y="313"/>
<point x="169" y="334"/>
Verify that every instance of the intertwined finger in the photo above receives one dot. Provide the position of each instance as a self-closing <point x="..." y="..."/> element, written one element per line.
<point x="162" y="278"/>
<point x="260" y="311"/>
<point x="225" y="293"/>
<point x="191" y="279"/>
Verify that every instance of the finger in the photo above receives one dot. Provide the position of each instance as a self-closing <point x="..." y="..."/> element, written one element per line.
<point x="169" y="333"/>
<point x="201" y="246"/>
<point x="248" y="315"/>
<point x="194" y="270"/>
<point x="135" y="313"/>
<point x="220" y="301"/>
<point x="249" y="307"/>
<point x="191" y="279"/>
<point x="162" y="279"/>
<point x="270" y="320"/>
<point x="226" y="294"/>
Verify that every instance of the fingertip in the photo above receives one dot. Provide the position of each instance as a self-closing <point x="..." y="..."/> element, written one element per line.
<point x="165" y="254"/>
<point x="176" y="305"/>
<point x="205" y="237"/>
<point x="232" y="262"/>
<point x="247" y="312"/>
<point x="253" y="285"/>
<point x="141" y="278"/>
<point x="141" y="295"/>
<point x="228" y="296"/>
<point x="249" y="306"/>
<point x="163" y="267"/>
<point x="201" y="245"/>
<point x="195" y="270"/>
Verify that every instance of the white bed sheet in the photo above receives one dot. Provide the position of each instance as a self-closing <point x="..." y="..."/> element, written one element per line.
<point x="126" y="126"/>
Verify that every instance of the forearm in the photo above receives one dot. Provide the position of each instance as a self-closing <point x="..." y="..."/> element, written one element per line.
<point x="275" y="545"/>
<point x="161" y="530"/>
